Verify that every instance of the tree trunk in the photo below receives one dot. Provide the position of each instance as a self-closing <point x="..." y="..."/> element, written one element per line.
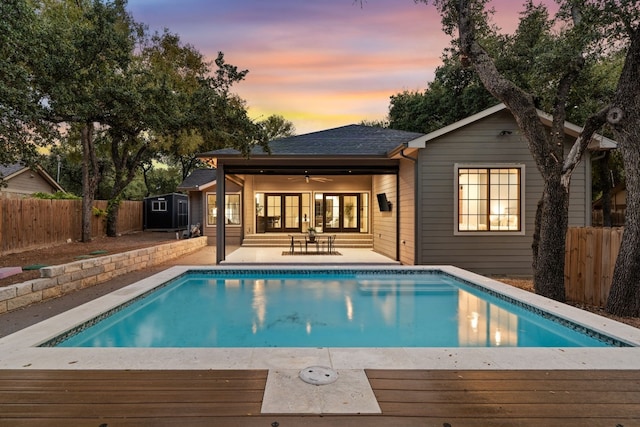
<point x="545" y="147"/>
<point x="624" y="297"/>
<point x="624" y="118"/>
<point x="549" y="254"/>
<point x="90" y="179"/>
<point x="113" y="209"/>
<point x="605" y="178"/>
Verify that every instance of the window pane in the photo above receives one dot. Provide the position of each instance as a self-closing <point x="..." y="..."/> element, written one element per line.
<point x="232" y="209"/>
<point x="292" y="211"/>
<point x="489" y="199"/>
<point x="211" y="209"/>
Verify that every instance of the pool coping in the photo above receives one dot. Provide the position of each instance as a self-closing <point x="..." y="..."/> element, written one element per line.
<point x="19" y="350"/>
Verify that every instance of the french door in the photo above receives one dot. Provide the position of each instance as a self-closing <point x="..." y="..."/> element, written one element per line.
<point x="283" y="212"/>
<point x="341" y="212"/>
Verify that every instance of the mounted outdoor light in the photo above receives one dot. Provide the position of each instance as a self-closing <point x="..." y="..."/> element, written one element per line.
<point x="306" y="178"/>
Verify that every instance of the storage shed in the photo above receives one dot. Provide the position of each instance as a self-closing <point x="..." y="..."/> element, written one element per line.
<point x="168" y="212"/>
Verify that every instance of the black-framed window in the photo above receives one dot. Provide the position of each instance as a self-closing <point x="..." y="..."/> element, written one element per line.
<point x="489" y="199"/>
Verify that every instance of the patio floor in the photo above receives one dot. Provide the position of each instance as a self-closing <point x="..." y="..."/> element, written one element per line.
<point x="245" y="255"/>
<point x="234" y="398"/>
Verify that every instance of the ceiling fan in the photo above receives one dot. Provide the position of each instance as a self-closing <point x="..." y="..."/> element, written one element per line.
<point x="308" y="178"/>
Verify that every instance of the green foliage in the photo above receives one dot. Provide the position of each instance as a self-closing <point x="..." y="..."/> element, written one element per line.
<point x="277" y="127"/>
<point x="162" y="180"/>
<point x="58" y="195"/>
<point x="375" y="123"/>
<point x="22" y="127"/>
<point x="455" y="94"/>
<point x="101" y="213"/>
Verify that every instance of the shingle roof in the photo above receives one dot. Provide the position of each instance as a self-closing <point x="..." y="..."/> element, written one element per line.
<point x="348" y="140"/>
<point x="6" y="170"/>
<point x="197" y="178"/>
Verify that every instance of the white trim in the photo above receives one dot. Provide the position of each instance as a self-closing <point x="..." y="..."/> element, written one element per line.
<point x="483" y="233"/>
<point x="597" y="141"/>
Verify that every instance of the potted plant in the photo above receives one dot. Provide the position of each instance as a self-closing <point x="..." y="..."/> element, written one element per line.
<point x="312" y="234"/>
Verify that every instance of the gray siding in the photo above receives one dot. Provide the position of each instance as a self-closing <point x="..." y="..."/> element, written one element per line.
<point x="196" y="208"/>
<point x="480" y="143"/>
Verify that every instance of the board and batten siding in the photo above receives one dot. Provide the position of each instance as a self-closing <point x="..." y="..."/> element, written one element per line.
<point x="383" y="226"/>
<point x="484" y="253"/>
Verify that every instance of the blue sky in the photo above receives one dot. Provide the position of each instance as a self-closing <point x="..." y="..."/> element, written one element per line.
<point x="320" y="64"/>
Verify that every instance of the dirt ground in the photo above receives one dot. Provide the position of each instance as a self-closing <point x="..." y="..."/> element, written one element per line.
<point x="527" y="285"/>
<point x="69" y="252"/>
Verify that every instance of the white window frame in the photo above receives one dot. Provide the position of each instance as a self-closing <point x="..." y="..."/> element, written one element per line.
<point x="207" y="207"/>
<point x="158" y="206"/>
<point x="457" y="231"/>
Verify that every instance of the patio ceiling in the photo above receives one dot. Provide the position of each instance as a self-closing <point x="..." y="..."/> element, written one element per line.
<point x="301" y="167"/>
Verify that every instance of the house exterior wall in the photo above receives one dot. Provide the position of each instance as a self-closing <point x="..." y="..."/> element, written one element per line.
<point x="384" y="228"/>
<point x="26" y="183"/>
<point x="483" y="253"/>
<point x="296" y="184"/>
<point x="198" y="207"/>
<point x="406" y="210"/>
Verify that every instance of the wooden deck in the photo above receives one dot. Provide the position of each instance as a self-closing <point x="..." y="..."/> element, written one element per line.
<point x="234" y="398"/>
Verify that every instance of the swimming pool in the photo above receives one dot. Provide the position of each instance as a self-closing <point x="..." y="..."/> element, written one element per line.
<point x="328" y="308"/>
<point x="22" y="350"/>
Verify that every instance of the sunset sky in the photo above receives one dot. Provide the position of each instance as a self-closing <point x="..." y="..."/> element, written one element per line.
<point x="322" y="63"/>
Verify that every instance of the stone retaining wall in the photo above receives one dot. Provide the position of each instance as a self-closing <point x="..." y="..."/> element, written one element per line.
<point x="62" y="279"/>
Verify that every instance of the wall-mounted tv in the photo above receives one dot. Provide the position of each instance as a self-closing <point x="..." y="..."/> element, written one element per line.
<point x="383" y="203"/>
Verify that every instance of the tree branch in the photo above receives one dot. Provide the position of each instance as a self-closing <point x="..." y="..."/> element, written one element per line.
<point x="593" y="123"/>
<point x="518" y="101"/>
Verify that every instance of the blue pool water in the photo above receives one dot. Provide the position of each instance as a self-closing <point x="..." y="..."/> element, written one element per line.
<point x="330" y="309"/>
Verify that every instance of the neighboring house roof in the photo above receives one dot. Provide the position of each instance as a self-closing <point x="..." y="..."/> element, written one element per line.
<point x="198" y="180"/>
<point x="350" y="140"/>
<point x="617" y="192"/>
<point x="598" y="142"/>
<point x="8" y="172"/>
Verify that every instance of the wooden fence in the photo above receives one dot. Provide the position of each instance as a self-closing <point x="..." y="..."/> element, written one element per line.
<point x="590" y="257"/>
<point x="34" y="223"/>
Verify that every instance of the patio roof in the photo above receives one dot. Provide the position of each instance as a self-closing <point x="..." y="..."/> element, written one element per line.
<point x="352" y="149"/>
<point x="351" y="140"/>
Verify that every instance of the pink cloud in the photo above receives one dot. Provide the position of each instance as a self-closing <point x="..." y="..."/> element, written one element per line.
<point x="316" y="62"/>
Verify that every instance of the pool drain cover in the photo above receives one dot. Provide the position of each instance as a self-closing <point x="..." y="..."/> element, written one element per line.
<point x="318" y="375"/>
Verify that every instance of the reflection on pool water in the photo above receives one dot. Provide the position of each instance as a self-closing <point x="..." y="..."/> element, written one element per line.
<point x="319" y="308"/>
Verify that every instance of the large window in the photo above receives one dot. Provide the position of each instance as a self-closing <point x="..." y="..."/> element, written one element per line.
<point x="489" y="199"/>
<point x="231" y="209"/>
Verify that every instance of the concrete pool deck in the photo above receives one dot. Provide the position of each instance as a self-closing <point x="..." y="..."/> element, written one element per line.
<point x="18" y="350"/>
